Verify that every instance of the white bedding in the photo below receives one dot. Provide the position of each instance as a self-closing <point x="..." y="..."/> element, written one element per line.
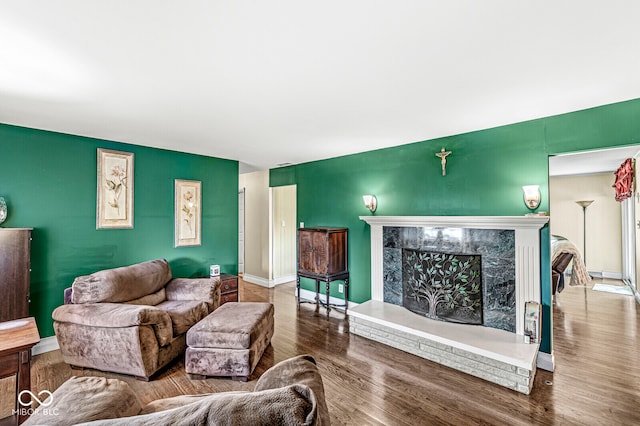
<point x="579" y="274"/>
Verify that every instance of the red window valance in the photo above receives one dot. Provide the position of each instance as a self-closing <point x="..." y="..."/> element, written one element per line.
<point x="624" y="180"/>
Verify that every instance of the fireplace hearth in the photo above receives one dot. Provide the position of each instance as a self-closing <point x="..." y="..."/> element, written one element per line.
<point x="495" y="353"/>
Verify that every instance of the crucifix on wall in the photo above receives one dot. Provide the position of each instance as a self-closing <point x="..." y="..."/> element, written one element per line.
<point x="443" y="157"/>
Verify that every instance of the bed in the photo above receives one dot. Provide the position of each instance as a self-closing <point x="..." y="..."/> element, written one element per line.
<point x="563" y="253"/>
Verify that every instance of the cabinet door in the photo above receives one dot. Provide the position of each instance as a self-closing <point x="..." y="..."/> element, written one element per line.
<point x="312" y="251"/>
<point x="337" y="260"/>
<point x="320" y="252"/>
<point x="305" y="251"/>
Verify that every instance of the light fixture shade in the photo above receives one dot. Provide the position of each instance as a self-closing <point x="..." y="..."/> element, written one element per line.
<point x="3" y="209"/>
<point x="531" y="196"/>
<point x="370" y="202"/>
<point x="584" y="203"/>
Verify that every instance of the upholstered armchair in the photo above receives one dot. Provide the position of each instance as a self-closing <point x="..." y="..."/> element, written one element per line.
<point x="289" y="393"/>
<point x="131" y="320"/>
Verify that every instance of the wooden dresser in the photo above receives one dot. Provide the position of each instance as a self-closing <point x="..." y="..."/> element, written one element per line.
<point x="15" y="267"/>
<point x="228" y="288"/>
<point x="322" y="256"/>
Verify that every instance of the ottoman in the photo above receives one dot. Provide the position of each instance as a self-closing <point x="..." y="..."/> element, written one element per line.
<point x="230" y="341"/>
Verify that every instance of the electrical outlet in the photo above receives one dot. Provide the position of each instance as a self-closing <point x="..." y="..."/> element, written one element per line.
<point x="340" y="288"/>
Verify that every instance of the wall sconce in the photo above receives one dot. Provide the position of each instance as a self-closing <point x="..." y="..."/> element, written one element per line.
<point x="370" y="202"/>
<point x="3" y="210"/>
<point x="531" y="196"/>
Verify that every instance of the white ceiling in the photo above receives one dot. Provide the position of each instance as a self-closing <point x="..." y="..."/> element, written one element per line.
<point x="584" y="163"/>
<point x="290" y="81"/>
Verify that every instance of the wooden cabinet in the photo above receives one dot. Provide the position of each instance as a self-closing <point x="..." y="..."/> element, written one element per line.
<point x="228" y="288"/>
<point x="15" y="267"/>
<point x="322" y="251"/>
<point x="322" y="256"/>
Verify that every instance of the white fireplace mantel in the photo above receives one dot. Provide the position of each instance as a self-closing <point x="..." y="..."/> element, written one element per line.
<point x="527" y="242"/>
<point x="475" y="222"/>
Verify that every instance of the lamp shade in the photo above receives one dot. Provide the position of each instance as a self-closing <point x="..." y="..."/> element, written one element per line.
<point x="584" y="203"/>
<point x="3" y="209"/>
<point x="370" y="202"/>
<point x="531" y="196"/>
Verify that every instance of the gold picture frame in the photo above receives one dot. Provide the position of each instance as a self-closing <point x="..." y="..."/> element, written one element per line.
<point x="188" y="213"/>
<point x="114" y="206"/>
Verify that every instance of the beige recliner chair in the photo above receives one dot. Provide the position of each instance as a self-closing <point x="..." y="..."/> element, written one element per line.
<point x="131" y="320"/>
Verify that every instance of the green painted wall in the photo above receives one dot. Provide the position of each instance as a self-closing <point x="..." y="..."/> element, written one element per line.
<point x="49" y="181"/>
<point x="485" y="173"/>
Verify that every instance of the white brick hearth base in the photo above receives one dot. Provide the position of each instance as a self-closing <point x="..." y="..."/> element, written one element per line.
<point x="497" y="366"/>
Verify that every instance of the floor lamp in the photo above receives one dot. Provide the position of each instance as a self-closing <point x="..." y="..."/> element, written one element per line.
<point x="584" y="204"/>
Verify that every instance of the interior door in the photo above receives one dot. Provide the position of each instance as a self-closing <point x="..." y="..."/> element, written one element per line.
<point x="636" y="209"/>
<point x="241" y="231"/>
<point x="284" y="233"/>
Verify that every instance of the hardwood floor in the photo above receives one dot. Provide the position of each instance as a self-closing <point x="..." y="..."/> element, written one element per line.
<point x="596" y="382"/>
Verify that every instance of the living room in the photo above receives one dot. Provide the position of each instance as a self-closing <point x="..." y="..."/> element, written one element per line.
<point x="48" y="180"/>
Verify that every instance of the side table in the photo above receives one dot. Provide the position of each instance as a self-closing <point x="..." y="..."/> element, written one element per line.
<point x="228" y="288"/>
<point x="17" y="337"/>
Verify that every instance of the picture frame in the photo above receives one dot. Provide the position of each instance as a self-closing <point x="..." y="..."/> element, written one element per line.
<point x="188" y="213"/>
<point x="114" y="198"/>
<point x="532" y="323"/>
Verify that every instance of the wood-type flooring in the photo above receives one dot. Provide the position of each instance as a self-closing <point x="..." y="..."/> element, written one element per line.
<point x="596" y="380"/>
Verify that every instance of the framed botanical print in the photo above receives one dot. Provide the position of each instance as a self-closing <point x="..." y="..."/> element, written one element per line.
<point x="114" y="207"/>
<point x="188" y="214"/>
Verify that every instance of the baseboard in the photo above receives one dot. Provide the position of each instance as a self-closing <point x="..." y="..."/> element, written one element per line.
<point x="256" y="280"/>
<point x="606" y="274"/>
<point x="283" y="280"/>
<point x="636" y="293"/>
<point x="311" y="296"/>
<point x="268" y="283"/>
<point x="546" y="361"/>
<point x="47" y="344"/>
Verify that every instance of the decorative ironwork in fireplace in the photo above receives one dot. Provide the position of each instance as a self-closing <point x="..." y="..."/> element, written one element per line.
<point x="442" y="286"/>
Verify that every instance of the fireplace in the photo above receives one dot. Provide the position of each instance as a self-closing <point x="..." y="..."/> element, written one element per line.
<point x="442" y="286"/>
<point x="496" y="249"/>
<point x="509" y="246"/>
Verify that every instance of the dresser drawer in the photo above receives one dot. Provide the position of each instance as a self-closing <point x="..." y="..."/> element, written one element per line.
<point x="228" y="297"/>
<point x="229" y="285"/>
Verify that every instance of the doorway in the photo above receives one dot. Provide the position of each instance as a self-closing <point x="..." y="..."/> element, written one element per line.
<point x="606" y="231"/>
<point x="241" y="220"/>
<point x="636" y="225"/>
<point x="283" y="234"/>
